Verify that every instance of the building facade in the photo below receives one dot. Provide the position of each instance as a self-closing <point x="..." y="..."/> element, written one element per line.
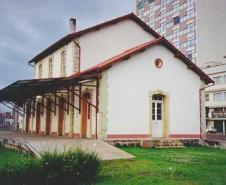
<point x="216" y="98"/>
<point x="6" y="120"/>
<point x="193" y="26"/>
<point x="104" y="83"/>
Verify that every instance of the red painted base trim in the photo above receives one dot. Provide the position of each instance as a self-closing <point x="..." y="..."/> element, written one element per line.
<point x="66" y="134"/>
<point x="94" y="136"/>
<point x="185" y="136"/>
<point x="76" y="135"/>
<point x="128" y="136"/>
<point x="43" y="133"/>
<point x="53" y="134"/>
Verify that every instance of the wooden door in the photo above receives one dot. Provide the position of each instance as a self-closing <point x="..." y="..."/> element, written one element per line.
<point x="85" y="114"/>
<point x="48" y="117"/>
<point x="38" y="110"/>
<point x="61" y="117"/>
<point x="27" y="121"/>
<point x="84" y="119"/>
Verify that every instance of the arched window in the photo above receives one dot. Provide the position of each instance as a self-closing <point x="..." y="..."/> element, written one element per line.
<point x="63" y="63"/>
<point x="87" y="96"/>
<point x="50" y="68"/>
<point x="40" y="71"/>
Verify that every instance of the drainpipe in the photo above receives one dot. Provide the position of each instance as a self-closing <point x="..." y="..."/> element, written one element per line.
<point x="200" y="106"/>
<point x="97" y="105"/>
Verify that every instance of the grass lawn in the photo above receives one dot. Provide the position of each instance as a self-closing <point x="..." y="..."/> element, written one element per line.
<point x="9" y="155"/>
<point x="191" y="165"/>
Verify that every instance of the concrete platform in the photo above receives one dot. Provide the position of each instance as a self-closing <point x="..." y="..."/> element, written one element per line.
<point x="40" y="144"/>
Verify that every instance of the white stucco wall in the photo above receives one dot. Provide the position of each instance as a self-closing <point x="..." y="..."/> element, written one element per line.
<point x="96" y="47"/>
<point x="130" y="82"/>
<point x="211" y="37"/>
<point x="107" y="42"/>
<point x="56" y="59"/>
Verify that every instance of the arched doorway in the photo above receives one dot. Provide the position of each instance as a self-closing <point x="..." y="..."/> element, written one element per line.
<point x="38" y="118"/>
<point x="61" y="116"/>
<point x="48" y="117"/>
<point x="85" y="113"/>
<point x="159" y="114"/>
<point x="27" y="121"/>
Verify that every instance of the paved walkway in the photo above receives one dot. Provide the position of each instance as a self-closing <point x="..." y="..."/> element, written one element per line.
<point x="39" y="144"/>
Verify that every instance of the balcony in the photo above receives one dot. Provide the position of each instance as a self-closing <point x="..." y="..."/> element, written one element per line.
<point x="219" y="114"/>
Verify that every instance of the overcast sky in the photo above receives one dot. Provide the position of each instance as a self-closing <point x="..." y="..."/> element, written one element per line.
<point x="29" y="26"/>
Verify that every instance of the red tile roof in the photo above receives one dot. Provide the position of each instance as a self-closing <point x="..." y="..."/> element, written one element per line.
<point x="133" y="51"/>
<point x="66" y="39"/>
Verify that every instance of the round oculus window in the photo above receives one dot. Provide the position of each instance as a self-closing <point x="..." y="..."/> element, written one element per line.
<point x="158" y="63"/>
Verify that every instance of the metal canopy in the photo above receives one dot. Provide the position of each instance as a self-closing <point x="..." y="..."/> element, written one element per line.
<point x="22" y="90"/>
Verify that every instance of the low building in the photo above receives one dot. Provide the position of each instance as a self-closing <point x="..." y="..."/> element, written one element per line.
<point x="6" y="120"/>
<point x="114" y="81"/>
<point x="216" y="97"/>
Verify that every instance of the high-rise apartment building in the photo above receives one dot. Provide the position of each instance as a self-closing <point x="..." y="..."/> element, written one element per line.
<point x="196" y="27"/>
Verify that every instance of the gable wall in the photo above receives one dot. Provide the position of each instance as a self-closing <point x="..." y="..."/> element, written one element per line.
<point x="105" y="43"/>
<point x="70" y="50"/>
<point x="131" y="81"/>
<point x="96" y="46"/>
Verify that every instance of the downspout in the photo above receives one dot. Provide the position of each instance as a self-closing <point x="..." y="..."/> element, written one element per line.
<point x="97" y="102"/>
<point x="200" y="106"/>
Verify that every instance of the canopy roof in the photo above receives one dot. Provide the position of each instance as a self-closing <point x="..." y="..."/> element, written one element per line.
<point x="19" y="91"/>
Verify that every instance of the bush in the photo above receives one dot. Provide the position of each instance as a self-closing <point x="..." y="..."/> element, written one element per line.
<point x="68" y="168"/>
<point x="23" y="171"/>
<point x="71" y="168"/>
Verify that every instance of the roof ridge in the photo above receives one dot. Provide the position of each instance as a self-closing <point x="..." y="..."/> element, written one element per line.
<point x="67" y="38"/>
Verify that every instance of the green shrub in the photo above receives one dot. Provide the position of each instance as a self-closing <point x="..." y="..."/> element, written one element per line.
<point x="22" y="171"/>
<point x="71" y="168"/>
<point x="68" y="168"/>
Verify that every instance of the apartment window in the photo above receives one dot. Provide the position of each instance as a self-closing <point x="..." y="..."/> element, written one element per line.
<point x="207" y="96"/>
<point x="190" y="14"/>
<point x="176" y="44"/>
<point x="190" y="28"/>
<point x="218" y="79"/>
<point x="190" y="41"/>
<point x="176" y="8"/>
<point x="63" y="63"/>
<point x="50" y="68"/>
<point x="40" y="71"/>
<point x="219" y="96"/>
<point x="163" y="2"/>
<point x="176" y="20"/>
<point x="140" y="5"/>
<point x="190" y="56"/>
<point x="150" y="1"/>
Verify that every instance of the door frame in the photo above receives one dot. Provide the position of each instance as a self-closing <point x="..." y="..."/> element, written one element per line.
<point x="61" y="116"/>
<point x="165" y="107"/>
<point x="28" y="115"/>
<point x="155" y="120"/>
<point x="48" y="117"/>
<point x="38" y="118"/>
<point x="84" y="114"/>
